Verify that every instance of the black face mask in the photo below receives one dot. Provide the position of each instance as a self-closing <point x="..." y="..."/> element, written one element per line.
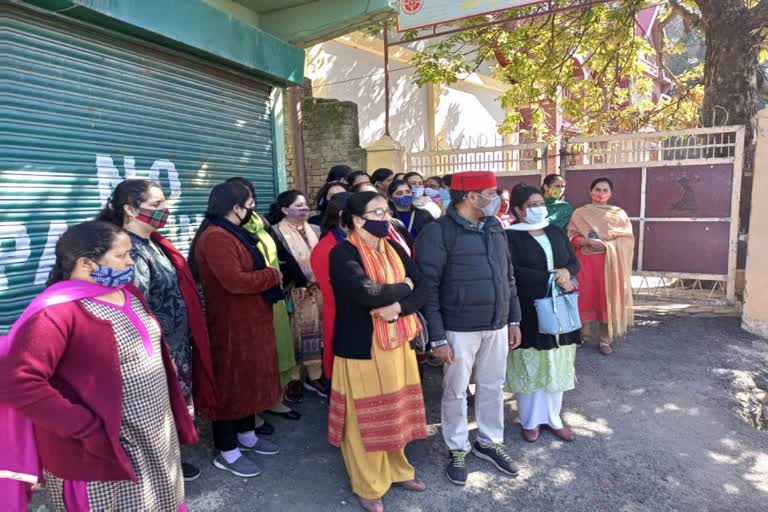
<point x="246" y="217"/>
<point x="378" y="228"/>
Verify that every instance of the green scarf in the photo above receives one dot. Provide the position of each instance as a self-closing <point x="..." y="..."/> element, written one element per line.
<point x="283" y="336"/>
<point x="560" y="212"/>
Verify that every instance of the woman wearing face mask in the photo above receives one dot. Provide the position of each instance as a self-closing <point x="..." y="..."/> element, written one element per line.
<point x="333" y="233"/>
<point x="163" y="276"/>
<point x="505" y="214"/>
<point x="560" y="211"/>
<point x="377" y="406"/>
<point x="605" y="245"/>
<point x="261" y="231"/>
<point x="543" y="366"/>
<point x="401" y="202"/>
<point x="381" y="179"/>
<point x="92" y="389"/>
<point x="299" y="237"/>
<point x="420" y="198"/>
<point x="239" y="288"/>
<point x="327" y="191"/>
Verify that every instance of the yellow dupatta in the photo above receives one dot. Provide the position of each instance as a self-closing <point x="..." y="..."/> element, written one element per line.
<point x="614" y="228"/>
<point x="384" y="266"/>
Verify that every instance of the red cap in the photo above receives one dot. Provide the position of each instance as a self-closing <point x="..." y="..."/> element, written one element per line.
<point x="473" y="180"/>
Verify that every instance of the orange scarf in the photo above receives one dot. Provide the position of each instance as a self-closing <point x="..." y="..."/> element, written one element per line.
<point x="384" y="266"/>
<point x="614" y="228"/>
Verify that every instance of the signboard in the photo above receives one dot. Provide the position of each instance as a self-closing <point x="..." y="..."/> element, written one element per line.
<point x="415" y="14"/>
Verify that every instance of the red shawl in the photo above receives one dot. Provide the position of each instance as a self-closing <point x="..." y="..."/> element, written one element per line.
<point x="203" y="386"/>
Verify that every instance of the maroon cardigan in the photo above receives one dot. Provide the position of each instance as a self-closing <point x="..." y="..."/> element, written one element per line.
<point x="63" y="373"/>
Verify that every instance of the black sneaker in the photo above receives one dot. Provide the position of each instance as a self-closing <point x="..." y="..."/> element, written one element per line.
<point x="317" y="386"/>
<point x="190" y="472"/>
<point x="456" y="471"/>
<point x="497" y="455"/>
<point x="294" y="392"/>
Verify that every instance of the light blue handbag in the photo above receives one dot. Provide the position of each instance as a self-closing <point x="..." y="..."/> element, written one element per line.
<point x="558" y="312"/>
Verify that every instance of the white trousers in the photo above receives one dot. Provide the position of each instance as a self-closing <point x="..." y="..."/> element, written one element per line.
<point x="540" y="408"/>
<point x="486" y="351"/>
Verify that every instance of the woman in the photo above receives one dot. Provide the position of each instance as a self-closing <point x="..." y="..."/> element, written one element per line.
<point x="332" y="234"/>
<point x="505" y="215"/>
<point x="560" y="211"/>
<point x="401" y="203"/>
<point x="338" y="173"/>
<point x="381" y="179"/>
<point x="605" y="245"/>
<point x="162" y="275"/>
<point x="376" y="404"/>
<point x="543" y="367"/>
<point x="356" y="178"/>
<point x="326" y="192"/>
<point x="239" y="289"/>
<point x="261" y="231"/>
<point x="420" y="198"/>
<point x="92" y="387"/>
<point x="398" y="232"/>
<point x="299" y="238"/>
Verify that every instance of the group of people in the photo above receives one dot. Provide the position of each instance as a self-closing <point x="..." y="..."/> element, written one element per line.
<point x="99" y="375"/>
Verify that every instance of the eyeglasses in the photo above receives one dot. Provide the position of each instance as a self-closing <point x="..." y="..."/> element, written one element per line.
<point x="379" y="212"/>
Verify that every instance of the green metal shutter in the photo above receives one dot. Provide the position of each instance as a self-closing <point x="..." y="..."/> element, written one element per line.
<point x="83" y="109"/>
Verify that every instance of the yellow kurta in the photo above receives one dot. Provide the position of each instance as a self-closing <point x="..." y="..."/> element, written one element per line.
<point x="377" y="407"/>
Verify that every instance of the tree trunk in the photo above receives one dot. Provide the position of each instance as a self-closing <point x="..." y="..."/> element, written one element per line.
<point x="730" y="79"/>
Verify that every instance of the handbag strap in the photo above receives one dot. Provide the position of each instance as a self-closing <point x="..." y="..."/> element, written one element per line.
<point x="552" y="288"/>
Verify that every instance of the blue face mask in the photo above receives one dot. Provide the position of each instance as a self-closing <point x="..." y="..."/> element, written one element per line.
<point x="445" y="195"/>
<point x="417" y="192"/>
<point x="403" y="201"/>
<point x="112" y="278"/>
<point x="536" y="215"/>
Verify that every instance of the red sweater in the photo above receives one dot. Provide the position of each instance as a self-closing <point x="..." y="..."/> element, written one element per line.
<point x="322" y="270"/>
<point x="63" y="373"/>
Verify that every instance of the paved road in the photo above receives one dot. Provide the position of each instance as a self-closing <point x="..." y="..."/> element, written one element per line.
<point x="656" y="424"/>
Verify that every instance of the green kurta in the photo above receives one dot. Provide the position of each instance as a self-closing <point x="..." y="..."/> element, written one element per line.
<point x="283" y="334"/>
<point x="560" y="212"/>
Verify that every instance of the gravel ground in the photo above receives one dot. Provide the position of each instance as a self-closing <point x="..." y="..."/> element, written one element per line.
<point x="657" y="430"/>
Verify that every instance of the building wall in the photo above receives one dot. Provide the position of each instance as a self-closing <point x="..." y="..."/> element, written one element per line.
<point x="465" y="114"/>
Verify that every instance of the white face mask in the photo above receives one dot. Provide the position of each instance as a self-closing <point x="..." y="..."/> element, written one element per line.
<point x="536" y="215"/>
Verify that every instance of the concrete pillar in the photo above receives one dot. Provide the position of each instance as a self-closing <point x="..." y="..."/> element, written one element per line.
<point x="386" y="152"/>
<point x="755" y="316"/>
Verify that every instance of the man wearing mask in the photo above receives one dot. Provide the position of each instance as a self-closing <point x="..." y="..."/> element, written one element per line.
<point x="473" y="315"/>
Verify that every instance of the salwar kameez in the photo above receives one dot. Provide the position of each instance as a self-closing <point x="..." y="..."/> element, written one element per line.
<point x="376" y="409"/>
<point x="147" y="433"/>
<point x="544" y="366"/>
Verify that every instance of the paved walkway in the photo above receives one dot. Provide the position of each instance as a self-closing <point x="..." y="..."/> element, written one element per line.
<point x="657" y="429"/>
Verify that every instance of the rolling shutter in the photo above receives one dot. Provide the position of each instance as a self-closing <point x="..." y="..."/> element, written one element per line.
<point x="84" y="109"/>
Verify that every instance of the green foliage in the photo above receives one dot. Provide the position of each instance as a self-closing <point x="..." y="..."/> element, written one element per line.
<point x="535" y="58"/>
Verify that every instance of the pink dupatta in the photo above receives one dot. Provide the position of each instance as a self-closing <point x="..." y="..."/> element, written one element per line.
<point x="19" y="463"/>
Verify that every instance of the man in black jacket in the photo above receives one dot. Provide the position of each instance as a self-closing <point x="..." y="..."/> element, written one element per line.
<point x="473" y="315"/>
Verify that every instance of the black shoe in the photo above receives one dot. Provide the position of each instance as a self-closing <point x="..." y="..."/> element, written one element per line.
<point x="294" y="392"/>
<point x="497" y="455"/>
<point x="317" y="386"/>
<point x="456" y="471"/>
<point x="190" y="472"/>
<point x="265" y="429"/>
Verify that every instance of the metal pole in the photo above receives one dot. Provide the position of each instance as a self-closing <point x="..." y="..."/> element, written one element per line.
<point x="386" y="77"/>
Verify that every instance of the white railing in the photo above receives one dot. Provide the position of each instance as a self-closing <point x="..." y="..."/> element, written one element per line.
<point x="656" y="148"/>
<point x="521" y="159"/>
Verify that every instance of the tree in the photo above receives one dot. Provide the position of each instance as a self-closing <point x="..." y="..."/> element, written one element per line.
<point x="535" y="57"/>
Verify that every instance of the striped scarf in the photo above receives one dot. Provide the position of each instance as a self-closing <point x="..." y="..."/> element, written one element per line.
<point x="384" y="266"/>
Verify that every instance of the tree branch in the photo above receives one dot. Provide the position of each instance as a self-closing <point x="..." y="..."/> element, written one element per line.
<point x="691" y="19"/>
<point x="759" y="15"/>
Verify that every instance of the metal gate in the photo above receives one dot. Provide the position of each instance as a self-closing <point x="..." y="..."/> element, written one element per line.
<point x="85" y="108"/>
<point x="682" y="191"/>
<point x="512" y="164"/>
